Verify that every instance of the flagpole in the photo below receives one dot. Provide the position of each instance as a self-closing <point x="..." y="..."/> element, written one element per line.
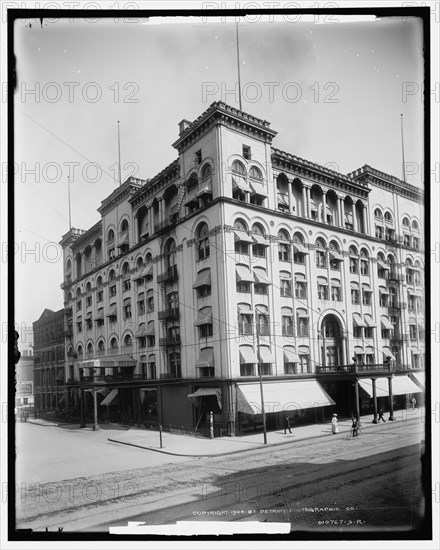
<point x="238" y="66"/>
<point x="68" y="196"/>
<point x="403" y="150"/>
<point x="119" y="157"/>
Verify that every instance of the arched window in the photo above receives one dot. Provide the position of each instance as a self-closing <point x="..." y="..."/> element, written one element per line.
<point x="255" y="173"/>
<point x="283" y="246"/>
<point x="377" y="213"/>
<point x="415" y="225"/>
<point x="68" y="265"/>
<point x="203" y="242"/>
<point x="238" y="168"/>
<point x="128" y="342"/>
<point x="170" y="252"/>
<point x="388" y="217"/>
<point x="320" y="253"/>
<point x="206" y="172"/>
<point x="405" y="222"/>
<point x="113" y="345"/>
<point x="126" y="268"/>
<point x="110" y="236"/>
<point x="124" y="226"/>
<point x="112" y="275"/>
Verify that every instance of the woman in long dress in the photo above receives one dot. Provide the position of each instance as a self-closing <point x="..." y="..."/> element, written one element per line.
<point x="335" y="427"/>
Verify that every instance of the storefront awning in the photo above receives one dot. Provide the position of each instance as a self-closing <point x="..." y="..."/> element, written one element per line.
<point x="282" y="396"/>
<point x="203" y="278"/>
<point x="419" y="378"/>
<point x="290" y="356"/>
<point x="244" y="274"/>
<point x="358" y="321"/>
<point x="401" y="385"/>
<point x="107" y="400"/>
<point x="206" y="358"/>
<point x="247" y="355"/>
<point x="197" y="396"/>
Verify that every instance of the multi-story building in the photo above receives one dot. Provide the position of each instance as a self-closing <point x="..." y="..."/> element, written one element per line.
<point x="239" y="258"/>
<point x="49" y="361"/>
<point x="24" y="369"/>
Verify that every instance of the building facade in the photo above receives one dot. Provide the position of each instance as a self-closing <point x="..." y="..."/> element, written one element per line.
<point x="49" y="361"/>
<point x="236" y="259"/>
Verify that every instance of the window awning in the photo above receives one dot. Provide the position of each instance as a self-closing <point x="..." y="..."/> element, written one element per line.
<point x="383" y="265"/>
<point x="206" y="358"/>
<point x="386" y="323"/>
<point x="285" y="276"/>
<point x="300" y="277"/>
<point x="369" y="320"/>
<point x="358" y="321"/>
<point x="335" y="282"/>
<point x="238" y="183"/>
<point x="244" y="274"/>
<point x="113" y="312"/>
<point x="260" y="239"/>
<point x="205" y="190"/>
<point x="387" y="352"/>
<point x="282" y="396"/>
<point x="266" y="356"/>
<point x="141" y="332"/>
<point x="240" y="235"/>
<point x="282" y="199"/>
<point x="401" y="385"/>
<point x="336" y="256"/>
<point x="359" y="350"/>
<point x="261" y="277"/>
<point x="258" y="189"/>
<point x="203" y="278"/>
<point x="99" y="315"/>
<point x="117" y="361"/>
<point x="204" y="317"/>
<point x="299" y="247"/>
<point x="383" y="290"/>
<point x="366" y="287"/>
<point x="247" y="355"/>
<point x="322" y="280"/>
<point x="244" y="308"/>
<point x="150" y="329"/>
<point x="354" y="285"/>
<point x="190" y="200"/>
<point x="110" y="397"/>
<point x="124" y="240"/>
<point x="301" y="314"/>
<point x="290" y="355"/>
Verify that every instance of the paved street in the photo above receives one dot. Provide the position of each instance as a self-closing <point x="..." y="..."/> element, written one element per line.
<point x="323" y="483"/>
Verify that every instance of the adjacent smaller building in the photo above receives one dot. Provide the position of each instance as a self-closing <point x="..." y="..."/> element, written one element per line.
<point x="49" y="361"/>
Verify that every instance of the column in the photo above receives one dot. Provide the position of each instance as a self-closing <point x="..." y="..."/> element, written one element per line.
<point x="135" y="230"/>
<point x="340" y="212"/>
<point x="355" y="227"/>
<point x="309" y="212"/>
<point x="304" y="202"/>
<point x="150" y="214"/>
<point x="344" y="359"/>
<point x="356" y="400"/>
<point x="365" y="220"/>
<point x="373" y="382"/>
<point x="390" y="397"/>
<point x="291" y="204"/>
<point x="324" y="207"/>
<point x="83" y="409"/>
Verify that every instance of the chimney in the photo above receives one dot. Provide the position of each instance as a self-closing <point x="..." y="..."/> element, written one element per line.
<point x="183" y="125"/>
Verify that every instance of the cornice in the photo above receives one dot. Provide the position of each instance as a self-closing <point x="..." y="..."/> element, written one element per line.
<point x="169" y="174"/>
<point x="89" y="236"/>
<point x="119" y="195"/>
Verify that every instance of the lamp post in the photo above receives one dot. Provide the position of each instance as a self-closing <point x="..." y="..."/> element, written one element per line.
<point x="260" y="365"/>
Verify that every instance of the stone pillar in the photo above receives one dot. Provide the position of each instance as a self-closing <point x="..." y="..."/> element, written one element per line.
<point x="373" y="382"/>
<point x="356" y="400"/>
<point x="355" y="225"/>
<point x="309" y="211"/>
<point x="390" y="397"/>
<point x="304" y="202"/>
<point x="340" y="212"/>
<point x="365" y="220"/>
<point x="324" y="207"/>
<point x="135" y="229"/>
<point x="291" y="203"/>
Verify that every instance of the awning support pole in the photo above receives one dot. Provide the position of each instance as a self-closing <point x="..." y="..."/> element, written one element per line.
<point x="95" y="411"/>
<point x="260" y="369"/>
<point x="373" y="382"/>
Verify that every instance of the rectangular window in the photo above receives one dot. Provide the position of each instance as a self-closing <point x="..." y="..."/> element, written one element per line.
<point x="205" y="290"/>
<point x="334" y="264"/>
<point x="88" y="301"/>
<point x="247" y="369"/>
<point x="284" y="252"/>
<point x="357" y="332"/>
<point x="150" y="304"/>
<point x="368" y="332"/>
<point x="79" y="305"/>
<point x="355" y="296"/>
<point x="303" y="327"/>
<point x="260" y="288"/>
<point x="336" y="293"/>
<point x="407" y="240"/>
<point x="198" y="157"/>
<point x="413" y="332"/>
<point x="258" y="250"/>
<point x="126" y="285"/>
<point x="353" y="265"/>
<point x="379" y="232"/>
<point x="287" y="325"/>
<point x="320" y="257"/>
<point x="322" y="292"/>
<point x="243" y="286"/>
<point x="304" y="365"/>
<point x="111" y="253"/>
<point x="151" y="341"/>
<point x="79" y="325"/>
<point x="141" y="307"/>
<point x="100" y="296"/>
<point x="366" y="298"/>
<point x="285" y="287"/>
<point x="416" y="243"/>
<point x="127" y="311"/>
<point x="266" y="369"/>
<point x="112" y="290"/>
<point x="385" y="333"/>
<point x="206" y="330"/>
<point x="242" y="247"/>
<point x="300" y="289"/>
<point x="247" y="152"/>
<point x="383" y="300"/>
<point x="364" y="267"/>
<point x="299" y="258"/>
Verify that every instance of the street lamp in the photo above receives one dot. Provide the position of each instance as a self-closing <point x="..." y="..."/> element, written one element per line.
<point x="260" y="368"/>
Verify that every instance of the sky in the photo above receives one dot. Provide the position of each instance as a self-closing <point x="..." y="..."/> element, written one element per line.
<point x="337" y="94"/>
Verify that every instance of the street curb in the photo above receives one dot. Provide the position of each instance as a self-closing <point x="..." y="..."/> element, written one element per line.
<point x="262" y="446"/>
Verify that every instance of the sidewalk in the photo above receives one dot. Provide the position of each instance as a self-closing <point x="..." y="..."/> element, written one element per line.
<point x="184" y="445"/>
<point x="191" y="446"/>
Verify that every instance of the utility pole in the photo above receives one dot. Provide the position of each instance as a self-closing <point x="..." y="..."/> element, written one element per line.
<point x="260" y="369"/>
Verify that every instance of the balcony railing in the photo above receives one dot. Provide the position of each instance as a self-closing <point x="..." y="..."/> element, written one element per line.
<point x="169" y="341"/>
<point x="397" y="305"/>
<point x="400" y="337"/>
<point x="167" y="222"/>
<point x="169" y="313"/>
<point x="169" y="375"/>
<point x="393" y="276"/>
<point x="355" y="369"/>
<point x="168" y="275"/>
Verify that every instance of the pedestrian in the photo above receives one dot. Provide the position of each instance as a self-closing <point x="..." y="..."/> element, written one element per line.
<point x="413" y="403"/>
<point x="381" y="416"/>
<point x="335" y="427"/>
<point x="354" y="428"/>
<point x="287" y="424"/>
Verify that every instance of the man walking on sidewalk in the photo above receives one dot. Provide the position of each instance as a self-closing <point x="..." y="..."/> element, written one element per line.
<point x="381" y="416"/>
<point x="287" y="424"/>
